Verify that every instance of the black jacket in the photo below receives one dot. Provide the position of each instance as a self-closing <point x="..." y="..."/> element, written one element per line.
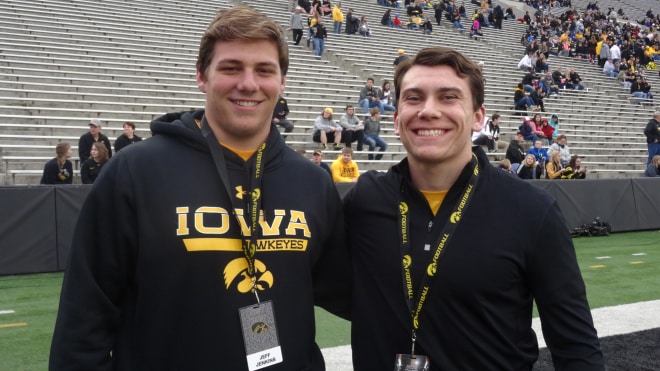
<point x="85" y="145"/>
<point x="652" y="131"/>
<point x="159" y="282"/>
<point x="478" y="311"/>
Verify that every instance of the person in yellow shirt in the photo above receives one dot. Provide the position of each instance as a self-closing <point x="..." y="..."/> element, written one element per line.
<point x="337" y="17"/>
<point x="344" y="169"/>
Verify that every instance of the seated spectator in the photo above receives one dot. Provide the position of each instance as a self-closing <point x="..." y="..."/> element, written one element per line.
<point x="352" y="128"/>
<point x="547" y="130"/>
<point x="386" y="20"/>
<point x="537" y="96"/>
<point x="520" y="100"/>
<point x="317" y="158"/>
<point x="128" y="137"/>
<point x="279" y="116"/>
<point x="561" y="146"/>
<point x="475" y="30"/>
<point x="91" y="168"/>
<point x="505" y="165"/>
<point x="369" y="97"/>
<point x="372" y="134"/>
<point x="415" y="22"/>
<point x="574" y="80"/>
<point x="94" y="135"/>
<point x="493" y="142"/>
<point x="59" y="170"/>
<point x="574" y="170"/>
<point x="456" y="20"/>
<point x="515" y="152"/>
<point x="526" y="130"/>
<point x="559" y="78"/>
<point x="326" y="129"/>
<point x="539" y="153"/>
<point x="537" y="127"/>
<point x="554" y="122"/>
<point x="387" y="96"/>
<point x="529" y="168"/>
<point x="527" y="62"/>
<point x="553" y="168"/>
<point x="609" y="70"/>
<point x="343" y="169"/>
<point x="364" y="29"/>
<point x="541" y="65"/>
<point x="529" y="80"/>
<point x="548" y="85"/>
<point x="397" y="22"/>
<point x="427" y="26"/>
<point x="508" y="14"/>
<point x="653" y="170"/>
<point x="636" y="90"/>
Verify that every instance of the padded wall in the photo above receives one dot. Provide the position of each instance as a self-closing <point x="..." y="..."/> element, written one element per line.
<point x="37" y="223"/>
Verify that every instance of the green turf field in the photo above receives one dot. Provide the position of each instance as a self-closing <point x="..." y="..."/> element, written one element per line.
<point x="619" y="269"/>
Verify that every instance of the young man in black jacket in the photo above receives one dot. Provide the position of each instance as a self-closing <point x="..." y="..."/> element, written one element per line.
<point x="428" y="286"/>
<point x="212" y="257"/>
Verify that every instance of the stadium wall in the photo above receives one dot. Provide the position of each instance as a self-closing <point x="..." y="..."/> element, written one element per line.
<point x="38" y="221"/>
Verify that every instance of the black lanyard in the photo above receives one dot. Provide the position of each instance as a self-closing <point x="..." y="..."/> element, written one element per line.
<point x="416" y="302"/>
<point x="251" y="205"/>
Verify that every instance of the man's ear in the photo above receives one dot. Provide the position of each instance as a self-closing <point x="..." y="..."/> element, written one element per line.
<point x="201" y="81"/>
<point x="479" y="116"/>
<point x="396" y="123"/>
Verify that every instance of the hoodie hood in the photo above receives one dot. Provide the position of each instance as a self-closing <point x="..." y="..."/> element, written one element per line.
<point x="189" y="127"/>
<point x="186" y="126"/>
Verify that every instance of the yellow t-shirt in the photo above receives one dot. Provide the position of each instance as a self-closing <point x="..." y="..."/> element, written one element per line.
<point x="244" y="154"/>
<point x="434" y="198"/>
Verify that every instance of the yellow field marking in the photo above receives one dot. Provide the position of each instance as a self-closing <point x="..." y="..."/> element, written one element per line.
<point x="597" y="266"/>
<point x="18" y="324"/>
<point x="636" y="262"/>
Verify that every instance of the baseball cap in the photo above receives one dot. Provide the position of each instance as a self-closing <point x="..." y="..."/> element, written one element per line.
<point x="95" y="122"/>
<point x="318" y="153"/>
<point x="329" y="110"/>
<point x="401" y="51"/>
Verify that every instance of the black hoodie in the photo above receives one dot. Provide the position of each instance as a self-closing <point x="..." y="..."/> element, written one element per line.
<point x="158" y="283"/>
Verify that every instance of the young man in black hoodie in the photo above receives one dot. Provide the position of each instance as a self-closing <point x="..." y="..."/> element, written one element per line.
<point x="435" y="285"/>
<point x="212" y="257"/>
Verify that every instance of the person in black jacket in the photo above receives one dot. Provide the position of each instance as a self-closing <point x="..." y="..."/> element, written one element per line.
<point x="427" y="280"/>
<point x="91" y="168"/>
<point x="59" y="170"/>
<point x="94" y="135"/>
<point x="279" y="116"/>
<point x="652" y="132"/>
<point x="515" y="152"/>
<point x="210" y="231"/>
<point x="128" y="137"/>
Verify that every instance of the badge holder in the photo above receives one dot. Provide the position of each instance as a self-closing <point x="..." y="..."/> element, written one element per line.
<point x="260" y="335"/>
<point x="412" y="362"/>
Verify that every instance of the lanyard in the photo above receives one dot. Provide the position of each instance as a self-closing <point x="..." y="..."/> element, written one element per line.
<point x="251" y="206"/>
<point x="416" y="302"/>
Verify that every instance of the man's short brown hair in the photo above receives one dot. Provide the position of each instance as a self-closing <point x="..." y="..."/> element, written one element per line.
<point x="241" y="24"/>
<point x="442" y="56"/>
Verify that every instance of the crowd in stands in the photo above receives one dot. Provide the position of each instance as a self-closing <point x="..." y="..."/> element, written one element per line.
<point x="625" y="50"/>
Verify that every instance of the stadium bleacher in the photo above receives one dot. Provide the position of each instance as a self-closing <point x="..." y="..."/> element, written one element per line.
<point x="62" y="63"/>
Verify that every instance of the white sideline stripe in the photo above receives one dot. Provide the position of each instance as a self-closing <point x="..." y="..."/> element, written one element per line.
<point x="603" y="257"/>
<point x="639" y="254"/>
<point x="617" y="320"/>
<point x="7" y="311"/>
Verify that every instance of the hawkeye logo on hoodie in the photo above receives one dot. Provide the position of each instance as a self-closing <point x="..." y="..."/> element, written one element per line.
<point x="287" y="230"/>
